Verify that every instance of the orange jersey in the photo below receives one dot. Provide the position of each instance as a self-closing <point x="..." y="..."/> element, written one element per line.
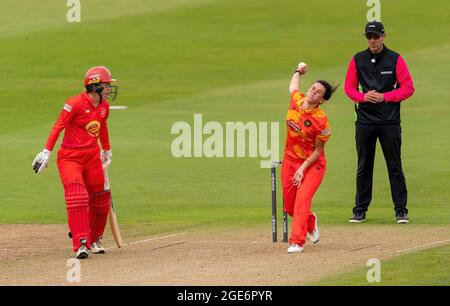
<point x="84" y="124"/>
<point x="303" y="127"/>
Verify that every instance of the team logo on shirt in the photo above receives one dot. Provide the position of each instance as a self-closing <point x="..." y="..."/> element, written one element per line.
<point x="294" y="126"/>
<point x="308" y="123"/>
<point x="93" y="128"/>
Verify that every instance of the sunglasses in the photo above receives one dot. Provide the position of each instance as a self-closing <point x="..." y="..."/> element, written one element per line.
<point x="369" y="36"/>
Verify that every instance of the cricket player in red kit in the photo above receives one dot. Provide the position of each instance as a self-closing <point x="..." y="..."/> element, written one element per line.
<point x="304" y="160"/>
<point x="80" y="161"/>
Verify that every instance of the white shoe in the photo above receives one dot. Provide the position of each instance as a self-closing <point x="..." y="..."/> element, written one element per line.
<point x="315" y="235"/>
<point x="82" y="252"/>
<point x="97" y="247"/>
<point x="295" y="248"/>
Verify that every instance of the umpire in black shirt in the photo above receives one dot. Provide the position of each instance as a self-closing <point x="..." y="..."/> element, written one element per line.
<point x="377" y="81"/>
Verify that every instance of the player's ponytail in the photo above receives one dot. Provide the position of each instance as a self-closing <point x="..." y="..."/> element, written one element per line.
<point x="329" y="89"/>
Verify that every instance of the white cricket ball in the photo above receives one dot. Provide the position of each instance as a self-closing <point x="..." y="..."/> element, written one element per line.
<point x="301" y="65"/>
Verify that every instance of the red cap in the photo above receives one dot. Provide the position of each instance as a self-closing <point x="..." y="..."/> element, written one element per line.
<point x="98" y="74"/>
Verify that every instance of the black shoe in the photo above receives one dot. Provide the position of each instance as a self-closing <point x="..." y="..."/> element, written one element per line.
<point x="402" y="218"/>
<point x="358" y="217"/>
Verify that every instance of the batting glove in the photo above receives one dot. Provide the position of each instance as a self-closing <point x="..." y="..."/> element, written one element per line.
<point x="40" y="162"/>
<point x="106" y="156"/>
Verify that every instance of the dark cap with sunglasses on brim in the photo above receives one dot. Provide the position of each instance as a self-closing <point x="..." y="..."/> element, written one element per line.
<point x="375" y="27"/>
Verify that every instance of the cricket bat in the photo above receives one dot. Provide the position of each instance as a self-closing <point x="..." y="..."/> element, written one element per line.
<point x="112" y="215"/>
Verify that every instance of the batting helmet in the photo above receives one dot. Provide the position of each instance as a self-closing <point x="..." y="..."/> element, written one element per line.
<point x="100" y="74"/>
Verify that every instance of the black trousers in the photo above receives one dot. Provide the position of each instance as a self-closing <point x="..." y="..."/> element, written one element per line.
<point x="390" y="139"/>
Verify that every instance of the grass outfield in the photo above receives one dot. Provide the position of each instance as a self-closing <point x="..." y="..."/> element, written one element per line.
<point x="423" y="268"/>
<point x="230" y="61"/>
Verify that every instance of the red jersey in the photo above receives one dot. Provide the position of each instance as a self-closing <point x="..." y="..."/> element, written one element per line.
<point x="303" y="127"/>
<point x="84" y="124"/>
